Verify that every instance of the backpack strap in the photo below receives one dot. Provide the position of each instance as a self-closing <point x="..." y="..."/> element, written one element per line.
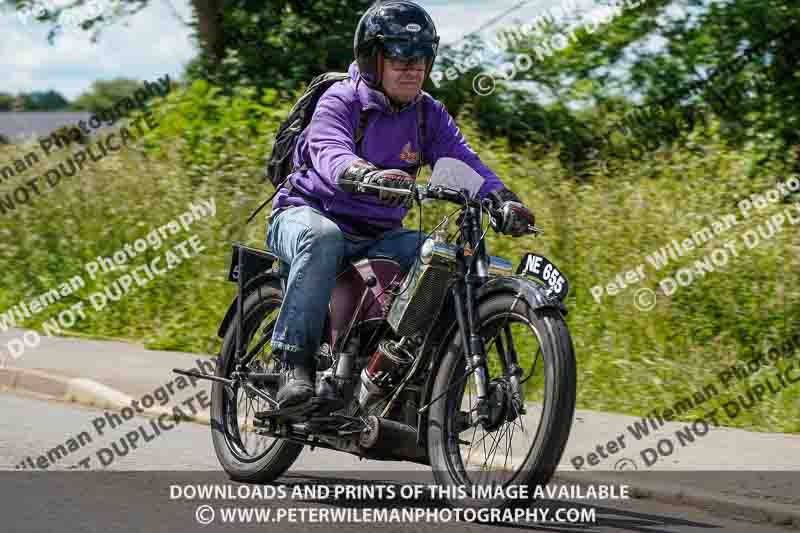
<point x="421" y="125"/>
<point x="362" y="126"/>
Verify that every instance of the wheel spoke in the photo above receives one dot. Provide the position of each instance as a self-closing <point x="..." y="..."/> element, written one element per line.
<point x="504" y="447"/>
<point x="519" y="417"/>
<point x="475" y="429"/>
<point x="239" y="405"/>
<point x="509" y="436"/>
<point x="495" y="448"/>
<point x="472" y="440"/>
<point x="533" y="366"/>
<point x="485" y="434"/>
<point x="246" y="418"/>
<point x="509" y="440"/>
<point x="483" y="440"/>
<point x="492" y="449"/>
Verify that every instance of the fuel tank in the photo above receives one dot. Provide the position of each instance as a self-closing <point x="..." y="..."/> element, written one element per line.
<point x="350" y="286"/>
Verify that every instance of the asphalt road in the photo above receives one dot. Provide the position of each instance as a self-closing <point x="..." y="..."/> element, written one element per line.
<point x="137" y="492"/>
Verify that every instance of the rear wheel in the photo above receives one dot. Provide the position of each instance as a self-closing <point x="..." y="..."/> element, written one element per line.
<point x="243" y="454"/>
<point x="520" y="445"/>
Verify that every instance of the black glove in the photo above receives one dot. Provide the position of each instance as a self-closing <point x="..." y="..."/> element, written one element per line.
<point x="511" y="217"/>
<point x="361" y="173"/>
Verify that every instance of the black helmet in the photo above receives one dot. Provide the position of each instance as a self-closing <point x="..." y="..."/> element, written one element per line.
<point x="399" y="28"/>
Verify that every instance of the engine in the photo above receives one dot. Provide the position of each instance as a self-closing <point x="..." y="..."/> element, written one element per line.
<point x="424" y="288"/>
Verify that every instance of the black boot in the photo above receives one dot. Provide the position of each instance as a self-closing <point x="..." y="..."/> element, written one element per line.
<point x="296" y="383"/>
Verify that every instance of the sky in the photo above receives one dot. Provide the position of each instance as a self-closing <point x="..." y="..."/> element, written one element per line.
<point x="154" y="42"/>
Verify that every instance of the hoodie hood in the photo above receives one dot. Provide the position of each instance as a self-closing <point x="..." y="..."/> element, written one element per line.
<point x="374" y="99"/>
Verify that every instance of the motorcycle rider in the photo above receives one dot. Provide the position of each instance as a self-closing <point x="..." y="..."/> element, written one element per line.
<point x="319" y="223"/>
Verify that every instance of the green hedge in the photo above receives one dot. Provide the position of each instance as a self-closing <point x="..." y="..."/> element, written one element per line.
<point x="630" y="361"/>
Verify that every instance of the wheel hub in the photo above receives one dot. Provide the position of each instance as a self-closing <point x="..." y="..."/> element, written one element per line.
<point x="498" y="405"/>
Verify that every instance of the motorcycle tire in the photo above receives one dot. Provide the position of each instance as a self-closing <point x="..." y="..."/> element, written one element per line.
<point x="281" y="454"/>
<point x="551" y="436"/>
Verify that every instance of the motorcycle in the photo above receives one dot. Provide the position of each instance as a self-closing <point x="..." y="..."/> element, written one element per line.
<point x="427" y="366"/>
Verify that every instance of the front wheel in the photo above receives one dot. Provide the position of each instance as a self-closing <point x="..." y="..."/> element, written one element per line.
<point x="522" y="440"/>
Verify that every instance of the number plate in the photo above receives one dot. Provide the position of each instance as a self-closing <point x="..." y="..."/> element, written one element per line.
<point x="255" y="262"/>
<point x="541" y="269"/>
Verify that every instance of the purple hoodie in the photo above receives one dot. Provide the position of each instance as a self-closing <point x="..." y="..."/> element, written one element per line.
<point x="390" y="141"/>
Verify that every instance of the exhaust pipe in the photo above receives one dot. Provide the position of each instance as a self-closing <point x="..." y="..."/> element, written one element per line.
<point x="392" y="441"/>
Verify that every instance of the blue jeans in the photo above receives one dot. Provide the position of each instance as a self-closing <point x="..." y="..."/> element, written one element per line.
<point x="316" y="250"/>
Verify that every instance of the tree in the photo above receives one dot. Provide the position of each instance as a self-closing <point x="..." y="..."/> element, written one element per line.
<point x="281" y="45"/>
<point x="94" y="16"/>
<point x="733" y="60"/>
<point x="266" y="44"/>
<point x="105" y="93"/>
<point x="6" y="101"/>
<point x="34" y="101"/>
<point x="727" y="63"/>
<point x="45" y="101"/>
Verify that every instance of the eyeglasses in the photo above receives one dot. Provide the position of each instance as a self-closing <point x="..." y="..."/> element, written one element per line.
<point x="401" y="63"/>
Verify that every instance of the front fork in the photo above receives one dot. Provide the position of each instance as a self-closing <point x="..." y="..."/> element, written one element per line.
<point x="472" y="272"/>
<point x="475" y="353"/>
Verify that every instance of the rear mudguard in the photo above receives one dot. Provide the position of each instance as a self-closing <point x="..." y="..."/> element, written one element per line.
<point x="271" y="277"/>
<point x="251" y="268"/>
<point x="446" y="326"/>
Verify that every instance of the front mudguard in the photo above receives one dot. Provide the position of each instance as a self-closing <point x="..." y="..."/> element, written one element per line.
<point x="445" y="327"/>
<point x="534" y="294"/>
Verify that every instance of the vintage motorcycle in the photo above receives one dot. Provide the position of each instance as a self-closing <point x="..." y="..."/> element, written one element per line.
<point x="428" y="366"/>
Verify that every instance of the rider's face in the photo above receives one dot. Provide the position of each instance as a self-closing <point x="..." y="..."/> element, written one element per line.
<point x="402" y="80"/>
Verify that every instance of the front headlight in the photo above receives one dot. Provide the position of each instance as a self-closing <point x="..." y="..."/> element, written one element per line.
<point x="426" y="251"/>
<point x="438" y="254"/>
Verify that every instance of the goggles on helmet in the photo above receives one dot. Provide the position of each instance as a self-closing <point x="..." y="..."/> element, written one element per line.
<point x="409" y="48"/>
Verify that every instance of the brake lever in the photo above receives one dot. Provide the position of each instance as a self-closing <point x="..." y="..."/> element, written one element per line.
<point x="533" y="229"/>
<point x="407" y="192"/>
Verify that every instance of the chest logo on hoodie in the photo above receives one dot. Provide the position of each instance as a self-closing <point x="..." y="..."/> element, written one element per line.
<point x="407" y="155"/>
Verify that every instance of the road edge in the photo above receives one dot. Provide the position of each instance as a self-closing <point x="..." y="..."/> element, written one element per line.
<point x="82" y="391"/>
<point x="751" y="509"/>
<point x="92" y="393"/>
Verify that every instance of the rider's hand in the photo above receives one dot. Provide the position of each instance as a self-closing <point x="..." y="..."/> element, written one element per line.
<point x="510" y="216"/>
<point x="398" y="183"/>
<point x="361" y="173"/>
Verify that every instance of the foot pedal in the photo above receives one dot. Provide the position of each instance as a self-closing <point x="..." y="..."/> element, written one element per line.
<point x="295" y="411"/>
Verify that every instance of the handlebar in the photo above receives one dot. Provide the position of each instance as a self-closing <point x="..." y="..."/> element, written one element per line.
<point x="439" y="192"/>
<point x="422" y="192"/>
